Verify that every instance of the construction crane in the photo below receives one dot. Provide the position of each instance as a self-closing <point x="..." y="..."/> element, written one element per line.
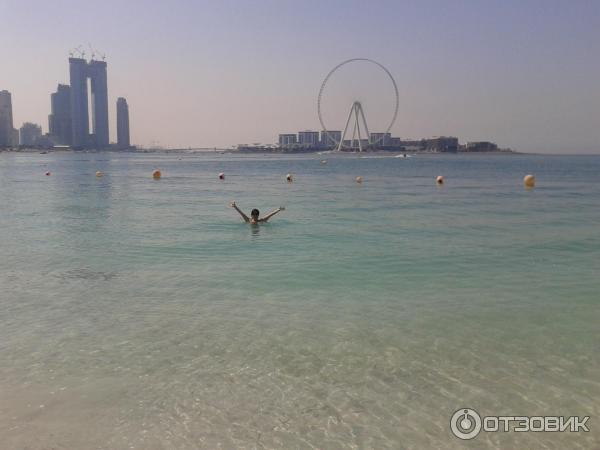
<point x="78" y="51"/>
<point x="92" y="51"/>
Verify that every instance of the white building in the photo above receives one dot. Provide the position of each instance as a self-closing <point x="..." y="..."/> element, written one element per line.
<point x="381" y="139"/>
<point x="330" y="138"/>
<point x="308" y="138"/>
<point x="286" y="140"/>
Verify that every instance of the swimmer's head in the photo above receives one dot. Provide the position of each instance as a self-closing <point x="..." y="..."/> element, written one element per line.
<point x="255" y="213"/>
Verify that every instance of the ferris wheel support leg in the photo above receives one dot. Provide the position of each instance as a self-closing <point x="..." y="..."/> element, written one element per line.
<point x="345" y="130"/>
<point x="358" y="127"/>
<point x="353" y="134"/>
<point x="362" y="115"/>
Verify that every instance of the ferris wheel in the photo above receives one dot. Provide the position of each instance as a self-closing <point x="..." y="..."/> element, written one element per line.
<point x="356" y="116"/>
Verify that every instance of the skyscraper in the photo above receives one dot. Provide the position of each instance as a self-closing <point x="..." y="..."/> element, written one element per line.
<point x="6" y="120"/>
<point x="122" y="123"/>
<point x="59" y="120"/>
<point x="79" y="103"/>
<point x="97" y="75"/>
<point x="80" y="70"/>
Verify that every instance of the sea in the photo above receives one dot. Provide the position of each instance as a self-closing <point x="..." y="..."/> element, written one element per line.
<point x="142" y="313"/>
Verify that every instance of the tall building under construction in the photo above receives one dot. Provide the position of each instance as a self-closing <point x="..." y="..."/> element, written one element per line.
<point x="80" y="71"/>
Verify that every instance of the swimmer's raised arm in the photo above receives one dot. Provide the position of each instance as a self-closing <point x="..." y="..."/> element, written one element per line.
<point x="234" y="206"/>
<point x="271" y="214"/>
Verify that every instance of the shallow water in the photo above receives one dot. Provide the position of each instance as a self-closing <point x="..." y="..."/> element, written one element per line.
<point x="141" y="313"/>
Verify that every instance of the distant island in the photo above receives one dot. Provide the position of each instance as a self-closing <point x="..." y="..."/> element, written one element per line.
<point x="306" y="142"/>
<point x="310" y="142"/>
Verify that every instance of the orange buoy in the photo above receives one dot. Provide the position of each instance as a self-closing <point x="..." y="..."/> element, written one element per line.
<point x="289" y="178"/>
<point x="439" y="179"/>
<point x="359" y="179"/>
<point x="529" y="181"/>
<point x="221" y="176"/>
<point x="156" y="174"/>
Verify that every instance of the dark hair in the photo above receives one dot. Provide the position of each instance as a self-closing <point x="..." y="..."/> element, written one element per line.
<point x="255" y="212"/>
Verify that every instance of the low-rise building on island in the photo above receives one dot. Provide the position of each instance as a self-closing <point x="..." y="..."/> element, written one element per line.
<point x="482" y="146"/>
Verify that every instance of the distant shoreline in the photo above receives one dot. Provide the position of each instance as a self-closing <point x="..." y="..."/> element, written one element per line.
<point x="312" y="152"/>
<point x="236" y="152"/>
<point x="251" y="152"/>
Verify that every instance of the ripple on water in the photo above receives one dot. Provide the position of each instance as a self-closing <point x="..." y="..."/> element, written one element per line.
<point x="86" y="274"/>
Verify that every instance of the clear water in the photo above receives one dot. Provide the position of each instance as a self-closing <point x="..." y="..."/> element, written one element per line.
<point x="137" y="313"/>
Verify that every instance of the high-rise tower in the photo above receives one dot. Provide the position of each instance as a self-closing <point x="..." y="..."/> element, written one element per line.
<point x="122" y="123"/>
<point x="79" y="103"/>
<point x="80" y="70"/>
<point x="97" y="75"/>
<point x="59" y="120"/>
<point x="6" y="120"/>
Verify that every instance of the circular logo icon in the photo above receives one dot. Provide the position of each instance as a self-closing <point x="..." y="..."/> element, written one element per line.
<point x="465" y="423"/>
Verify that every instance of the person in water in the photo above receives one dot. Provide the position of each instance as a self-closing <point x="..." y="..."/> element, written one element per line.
<point x="254" y="215"/>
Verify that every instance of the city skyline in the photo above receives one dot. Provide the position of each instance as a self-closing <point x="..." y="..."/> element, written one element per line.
<point x="78" y="115"/>
<point x="520" y="74"/>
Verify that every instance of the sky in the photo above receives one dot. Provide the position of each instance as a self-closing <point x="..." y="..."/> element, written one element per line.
<point x="524" y="74"/>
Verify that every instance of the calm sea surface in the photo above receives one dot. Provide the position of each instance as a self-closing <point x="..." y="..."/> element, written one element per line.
<point x="144" y="314"/>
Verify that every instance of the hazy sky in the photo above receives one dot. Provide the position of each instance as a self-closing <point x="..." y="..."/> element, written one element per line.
<point x="525" y="74"/>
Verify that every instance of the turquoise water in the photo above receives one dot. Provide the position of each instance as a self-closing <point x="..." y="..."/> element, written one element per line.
<point x="141" y="313"/>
